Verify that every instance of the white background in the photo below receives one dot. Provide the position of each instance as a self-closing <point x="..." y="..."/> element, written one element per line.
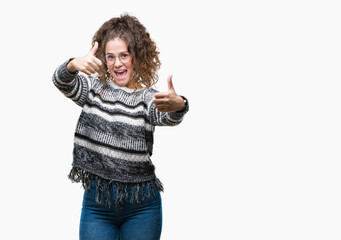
<point x="257" y="156"/>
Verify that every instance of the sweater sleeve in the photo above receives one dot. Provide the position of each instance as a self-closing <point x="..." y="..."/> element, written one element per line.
<point x="158" y="118"/>
<point x="72" y="85"/>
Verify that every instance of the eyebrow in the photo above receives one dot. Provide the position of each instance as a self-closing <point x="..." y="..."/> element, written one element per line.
<point x="118" y="53"/>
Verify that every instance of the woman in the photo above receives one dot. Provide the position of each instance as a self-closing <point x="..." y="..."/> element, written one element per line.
<point x="114" y="134"/>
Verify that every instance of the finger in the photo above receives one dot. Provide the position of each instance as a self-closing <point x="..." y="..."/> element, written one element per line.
<point x="88" y="70"/>
<point x="160" y="95"/>
<point x="94" y="49"/>
<point x="94" y="66"/>
<point x="161" y="104"/>
<point x="161" y="100"/>
<point x="92" y="70"/>
<point x="97" y="61"/>
<point x="161" y="108"/>
<point x="170" y="83"/>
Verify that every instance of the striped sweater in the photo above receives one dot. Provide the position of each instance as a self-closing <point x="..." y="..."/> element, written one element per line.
<point x="113" y="139"/>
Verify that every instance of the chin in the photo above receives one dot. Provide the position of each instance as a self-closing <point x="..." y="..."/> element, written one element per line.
<point x="122" y="82"/>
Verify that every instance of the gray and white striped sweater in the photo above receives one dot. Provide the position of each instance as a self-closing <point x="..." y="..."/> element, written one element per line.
<point x="114" y="135"/>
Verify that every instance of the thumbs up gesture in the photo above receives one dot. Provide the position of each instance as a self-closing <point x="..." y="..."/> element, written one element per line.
<point x="169" y="101"/>
<point x="88" y="64"/>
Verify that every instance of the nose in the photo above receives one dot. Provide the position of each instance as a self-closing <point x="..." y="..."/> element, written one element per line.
<point x="118" y="62"/>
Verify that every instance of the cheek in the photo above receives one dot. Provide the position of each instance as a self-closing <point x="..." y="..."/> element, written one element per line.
<point x="130" y="67"/>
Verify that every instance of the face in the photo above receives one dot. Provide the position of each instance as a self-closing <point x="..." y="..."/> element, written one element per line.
<point x="119" y="63"/>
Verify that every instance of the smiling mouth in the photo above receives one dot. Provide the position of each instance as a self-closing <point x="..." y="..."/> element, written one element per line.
<point x="121" y="74"/>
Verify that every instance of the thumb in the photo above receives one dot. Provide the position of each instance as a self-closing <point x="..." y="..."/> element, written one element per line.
<point x="94" y="49"/>
<point x="170" y="83"/>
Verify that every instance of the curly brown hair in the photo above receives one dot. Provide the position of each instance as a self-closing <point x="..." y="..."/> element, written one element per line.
<point x="145" y="56"/>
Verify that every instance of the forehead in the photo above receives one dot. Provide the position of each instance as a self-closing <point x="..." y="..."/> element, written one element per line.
<point x="116" y="45"/>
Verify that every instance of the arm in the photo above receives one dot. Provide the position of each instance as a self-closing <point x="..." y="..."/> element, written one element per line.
<point x="167" y="109"/>
<point x="70" y="83"/>
<point x="158" y="118"/>
<point x="169" y="101"/>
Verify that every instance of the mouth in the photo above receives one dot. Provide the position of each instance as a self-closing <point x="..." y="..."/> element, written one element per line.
<point x="120" y="74"/>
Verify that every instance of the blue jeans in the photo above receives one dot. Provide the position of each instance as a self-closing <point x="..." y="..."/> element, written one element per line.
<point x="123" y="221"/>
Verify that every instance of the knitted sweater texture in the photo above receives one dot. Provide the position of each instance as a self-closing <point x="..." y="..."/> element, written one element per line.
<point x="113" y="139"/>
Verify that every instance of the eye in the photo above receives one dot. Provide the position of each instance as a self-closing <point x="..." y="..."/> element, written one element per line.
<point x="110" y="57"/>
<point x="124" y="55"/>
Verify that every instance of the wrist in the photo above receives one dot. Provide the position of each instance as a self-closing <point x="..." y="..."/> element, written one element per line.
<point x="182" y="103"/>
<point x="70" y="67"/>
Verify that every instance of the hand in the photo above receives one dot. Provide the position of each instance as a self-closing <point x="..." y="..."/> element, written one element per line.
<point x="169" y="101"/>
<point x="88" y="64"/>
